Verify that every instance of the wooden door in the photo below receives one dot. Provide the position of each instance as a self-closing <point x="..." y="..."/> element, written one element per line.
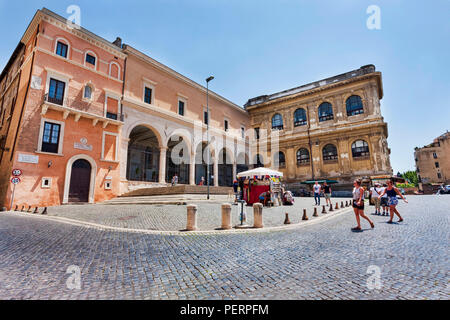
<point x="80" y="181"/>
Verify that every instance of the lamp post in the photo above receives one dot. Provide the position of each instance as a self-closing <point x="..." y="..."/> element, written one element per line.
<point x="207" y="131"/>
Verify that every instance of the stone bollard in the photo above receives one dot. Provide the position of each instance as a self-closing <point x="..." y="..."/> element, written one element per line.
<point x="286" y="220"/>
<point x="258" y="215"/>
<point x="45" y="211"/>
<point x="342" y="204"/>
<point x="315" y="212"/>
<point x="226" y="216"/>
<point x="337" y="205"/>
<point x="191" y="224"/>
<point x="331" y="207"/>
<point x="324" y="210"/>
<point x="305" y="217"/>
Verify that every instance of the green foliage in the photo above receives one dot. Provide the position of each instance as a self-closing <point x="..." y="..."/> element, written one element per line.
<point x="405" y="185"/>
<point x="411" y="177"/>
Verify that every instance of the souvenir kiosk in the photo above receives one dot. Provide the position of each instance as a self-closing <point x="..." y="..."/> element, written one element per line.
<point x="259" y="180"/>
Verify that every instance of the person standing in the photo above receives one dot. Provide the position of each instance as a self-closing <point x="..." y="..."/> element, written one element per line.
<point x="317" y="190"/>
<point x="384" y="200"/>
<point x="392" y="201"/>
<point x="327" y="192"/>
<point x="202" y="181"/>
<point x="375" y="192"/>
<point x="174" y="180"/>
<point x="358" y="205"/>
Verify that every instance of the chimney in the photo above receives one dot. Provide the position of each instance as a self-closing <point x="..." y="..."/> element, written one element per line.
<point x="118" y="42"/>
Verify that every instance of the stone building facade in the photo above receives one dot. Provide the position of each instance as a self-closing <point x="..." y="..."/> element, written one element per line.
<point x="87" y="120"/>
<point x="329" y="129"/>
<point x="433" y="161"/>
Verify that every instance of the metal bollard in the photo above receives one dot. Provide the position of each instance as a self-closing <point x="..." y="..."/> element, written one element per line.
<point x="324" y="210"/>
<point x="305" y="217"/>
<point x="257" y="215"/>
<point x="331" y="207"/>
<point x="45" y="211"/>
<point x="346" y="203"/>
<point x="191" y="224"/>
<point x="337" y="205"/>
<point x="286" y="220"/>
<point x="226" y="216"/>
<point x="315" y="212"/>
<point x="21" y="209"/>
<point x="342" y="204"/>
<point x="36" y="210"/>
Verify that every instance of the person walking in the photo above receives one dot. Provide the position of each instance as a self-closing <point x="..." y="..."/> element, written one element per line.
<point x="358" y="205"/>
<point x="375" y="192"/>
<point x="317" y="189"/>
<point x="327" y="192"/>
<point x="392" y="201"/>
<point x="384" y="200"/>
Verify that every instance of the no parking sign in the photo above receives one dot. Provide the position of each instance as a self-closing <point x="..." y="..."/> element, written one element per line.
<point x="17" y="173"/>
<point x="15" y="180"/>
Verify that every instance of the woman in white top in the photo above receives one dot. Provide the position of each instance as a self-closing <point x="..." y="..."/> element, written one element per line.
<point x="358" y="205"/>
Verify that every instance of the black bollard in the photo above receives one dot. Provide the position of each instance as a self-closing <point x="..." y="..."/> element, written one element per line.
<point x="342" y="204"/>
<point x="45" y="211"/>
<point x="315" y="212"/>
<point x="331" y="207"/>
<point x="36" y="210"/>
<point x="16" y="208"/>
<point x="324" y="210"/>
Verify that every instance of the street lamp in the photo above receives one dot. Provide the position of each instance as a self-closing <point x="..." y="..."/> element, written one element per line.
<point x="207" y="131"/>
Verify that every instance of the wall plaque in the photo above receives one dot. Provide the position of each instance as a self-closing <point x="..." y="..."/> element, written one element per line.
<point x="28" y="158"/>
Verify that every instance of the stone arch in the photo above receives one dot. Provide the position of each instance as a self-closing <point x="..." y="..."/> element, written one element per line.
<point x="69" y="165"/>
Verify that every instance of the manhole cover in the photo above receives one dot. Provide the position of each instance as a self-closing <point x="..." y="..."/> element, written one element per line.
<point x="126" y="218"/>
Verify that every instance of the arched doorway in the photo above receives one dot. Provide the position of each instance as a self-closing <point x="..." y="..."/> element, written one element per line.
<point x="80" y="181"/>
<point x="143" y="155"/>
<point x="177" y="160"/>
<point x="242" y="163"/>
<point x="202" y="153"/>
<point x="225" y="167"/>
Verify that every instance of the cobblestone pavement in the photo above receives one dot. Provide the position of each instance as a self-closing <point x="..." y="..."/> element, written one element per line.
<point x="173" y="217"/>
<point x="321" y="261"/>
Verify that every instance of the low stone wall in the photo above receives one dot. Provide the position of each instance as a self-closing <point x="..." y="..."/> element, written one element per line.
<point x="178" y="189"/>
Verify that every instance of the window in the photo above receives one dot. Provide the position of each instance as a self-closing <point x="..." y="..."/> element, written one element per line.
<point x="280" y="159"/>
<point x="354" y="106"/>
<point x="225" y="125"/>
<point x="111" y="115"/>
<point x="87" y="92"/>
<point x="50" y="137"/>
<point x="242" y="132"/>
<point x="436" y="164"/>
<point x="257" y="133"/>
<point x="325" y="112"/>
<point x="148" y="95"/>
<point x="299" y="117"/>
<point x="205" y="117"/>
<point x="108" y="185"/>
<point x="360" y="149"/>
<point x="61" y="49"/>
<point x="434" y="155"/>
<point x="302" y="156"/>
<point x="277" y="122"/>
<point x="56" y="91"/>
<point x="259" y="162"/>
<point x="90" y="59"/>
<point x="439" y="175"/>
<point x="46" y="183"/>
<point x="181" y="108"/>
<point x="111" y="106"/>
<point x="329" y="153"/>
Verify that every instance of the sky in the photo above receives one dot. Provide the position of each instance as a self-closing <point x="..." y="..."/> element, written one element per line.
<point x="256" y="47"/>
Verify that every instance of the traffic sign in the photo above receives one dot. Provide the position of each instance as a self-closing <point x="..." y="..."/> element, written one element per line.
<point x="17" y="172"/>
<point x="15" y="180"/>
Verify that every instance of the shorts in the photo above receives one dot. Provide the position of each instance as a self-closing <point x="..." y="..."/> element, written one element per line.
<point x="384" y="202"/>
<point x="361" y="207"/>
<point x="392" y="201"/>
<point x="327" y="196"/>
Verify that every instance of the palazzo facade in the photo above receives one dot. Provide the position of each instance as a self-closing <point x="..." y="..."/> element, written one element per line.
<point x="86" y="120"/>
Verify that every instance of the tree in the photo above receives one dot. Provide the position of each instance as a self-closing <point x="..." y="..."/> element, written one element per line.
<point x="411" y="176"/>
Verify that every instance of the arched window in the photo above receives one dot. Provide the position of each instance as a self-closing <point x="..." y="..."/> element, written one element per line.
<point x="280" y="159"/>
<point x="277" y="122"/>
<point x="325" y="112"/>
<point x="87" y="92"/>
<point x="299" y="117"/>
<point x="302" y="156"/>
<point x="360" y="149"/>
<point x="354" y="106"/>
<point x="329" y="152"/>
<point x="114" y="70"/>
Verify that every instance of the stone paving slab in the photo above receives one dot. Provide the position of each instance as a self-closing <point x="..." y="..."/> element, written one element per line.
<point x="322" y="261"/>
<point x="173" y="217"/>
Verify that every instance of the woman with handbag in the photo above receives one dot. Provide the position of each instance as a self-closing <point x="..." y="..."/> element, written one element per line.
<point x="358" y="205"/>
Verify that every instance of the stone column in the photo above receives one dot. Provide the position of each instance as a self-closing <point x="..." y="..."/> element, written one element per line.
<point x="216" y="171"/>
<point x="191" y="224"/>
<point x="257" y="215"/>
<point x="234" y="169"/>
<point x="192" y="170"/>
<point x="162" y="165"/>
<point x="226" y="216"/>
